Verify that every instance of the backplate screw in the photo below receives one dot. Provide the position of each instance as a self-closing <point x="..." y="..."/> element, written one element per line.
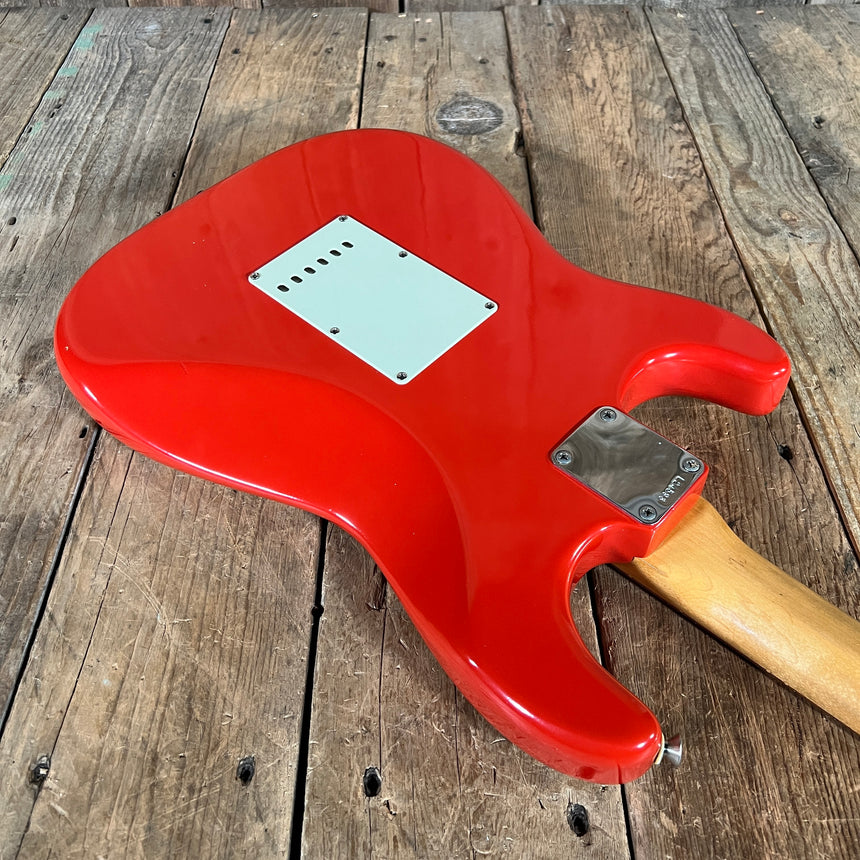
<point x="489" y="306"/>
<point x="647" y="513"/>
<point x="341" y="218"/>
<point x="334" y="329"/>
<point x="402" y="375"/>
<point x="691" y="465"/>
<point x="403" y="254"/>
<point x="255" y="275"/>
<point x="608" y="414"/>
<point x="563" y="458"/>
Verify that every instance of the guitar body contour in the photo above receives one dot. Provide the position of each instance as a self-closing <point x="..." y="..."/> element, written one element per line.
<point x="443" y="471"/>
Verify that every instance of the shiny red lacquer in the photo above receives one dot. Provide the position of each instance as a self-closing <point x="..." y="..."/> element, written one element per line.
<point x="446" y="480"/>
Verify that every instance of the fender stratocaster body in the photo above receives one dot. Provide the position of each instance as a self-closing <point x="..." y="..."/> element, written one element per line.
<point x="367" y="326"/>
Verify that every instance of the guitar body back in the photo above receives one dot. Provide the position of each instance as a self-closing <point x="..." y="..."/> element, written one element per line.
<point x="252" y="337"/>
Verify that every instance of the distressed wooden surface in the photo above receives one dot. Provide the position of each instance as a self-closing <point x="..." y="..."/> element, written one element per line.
<point x="33" y="44"/>
<point x="59" y="206"/>
<point x="382" y="706"/>
<point x="809" y="62"/>
<point x="804" y="272"/>
<point x="606" y="139"/>
<point x="32" y="503"/>
<point x="176" y="645"/>
<point x="193" y="672"/>
<point x="420" y="6"/>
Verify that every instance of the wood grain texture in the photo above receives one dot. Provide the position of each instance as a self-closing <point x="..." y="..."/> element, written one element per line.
<point x="73" y="4"/>
<point x="33" y="44"/>
<point x="195" y="662"/>
<point x="64" y="196"/>
<point x="446" y="76"/>
<point x="448" y="784"/>
<point x="802" y="269"/>
<point x="809" y="61"/>
<point x="74" y="192"/>
<point x="282" y="76"/>
<point x="619" y="187"/>
<point x="680" y="5"/>
<point x="422" y="6"/>
<point x="402" y="766"/>
<point x="236" y="4"/>
<point x="182" y="726"/>
<point x="371" y="5"/>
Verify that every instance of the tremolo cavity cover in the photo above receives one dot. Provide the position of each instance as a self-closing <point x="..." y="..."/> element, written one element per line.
<point x="448" y="478"/>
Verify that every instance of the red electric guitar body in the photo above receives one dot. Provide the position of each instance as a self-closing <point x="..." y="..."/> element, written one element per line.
<point x="252" y="337"/>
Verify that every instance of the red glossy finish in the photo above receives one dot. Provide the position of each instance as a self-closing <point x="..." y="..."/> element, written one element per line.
<point x="446" y="480"/>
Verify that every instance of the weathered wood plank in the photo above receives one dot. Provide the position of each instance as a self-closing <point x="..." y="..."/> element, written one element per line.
<point x="371" y="5"/>
<point x="195" y="665"/>
<point x="423" y="6"/>
<point x="619" y="187"/>
<point x="809" y="61"/>
<point x="192" y="670"/>
<point x="61" y="195"/>
<point x="126" y="85"/>
<point x="73" y="4"/>
<point x="681" y="5"/>
<point x="803" y="271"/>
<point x="401" y="764"/>
<point x="446" y="76"/>
<point x="266" y="94"/>
<point x="236" y="4"/>
<point x="33" y="44"/>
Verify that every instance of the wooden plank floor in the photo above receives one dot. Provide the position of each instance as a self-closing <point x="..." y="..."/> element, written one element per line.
<point x="187" y="671"/>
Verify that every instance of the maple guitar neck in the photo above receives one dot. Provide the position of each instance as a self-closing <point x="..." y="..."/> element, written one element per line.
<point x="706" y="572"/>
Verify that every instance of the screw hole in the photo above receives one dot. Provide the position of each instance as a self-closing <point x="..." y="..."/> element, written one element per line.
<point x="246" y="769"/>
<point x="371" y="782"/>
<point x="577" y="819"/>
<point x="40" y="770"/>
